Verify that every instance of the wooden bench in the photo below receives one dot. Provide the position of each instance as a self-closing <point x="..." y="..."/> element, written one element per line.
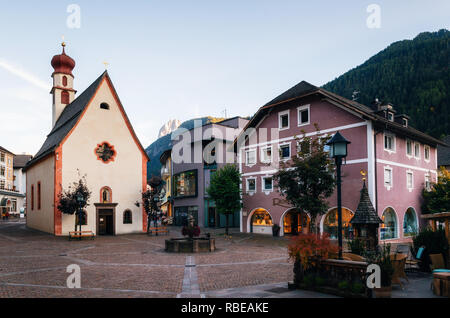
<point x="81" y="234"/>
<point x="158" y="230"/>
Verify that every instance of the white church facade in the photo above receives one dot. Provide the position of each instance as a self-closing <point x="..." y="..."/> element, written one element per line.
<point x="91" y="136"/>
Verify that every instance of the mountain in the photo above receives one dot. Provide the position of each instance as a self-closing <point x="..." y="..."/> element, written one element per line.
<point x="413" y="75"/>
<point x="168" y="127"/>
<point x="164" y="143"/>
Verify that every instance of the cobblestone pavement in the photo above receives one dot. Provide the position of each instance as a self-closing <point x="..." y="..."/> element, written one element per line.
<point x="34" y="264"/>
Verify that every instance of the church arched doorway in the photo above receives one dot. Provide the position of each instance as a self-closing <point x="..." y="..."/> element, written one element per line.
<point x="296" y="222"/>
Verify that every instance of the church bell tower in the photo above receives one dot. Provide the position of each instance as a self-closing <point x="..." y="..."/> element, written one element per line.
<point x="62" y="90"/>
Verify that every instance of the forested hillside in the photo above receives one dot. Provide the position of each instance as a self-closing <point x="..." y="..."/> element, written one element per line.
<point x="413" y="75"/>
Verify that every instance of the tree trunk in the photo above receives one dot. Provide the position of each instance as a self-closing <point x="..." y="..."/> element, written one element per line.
<point x="226" y="224"/>
<point x="313" y="225"/>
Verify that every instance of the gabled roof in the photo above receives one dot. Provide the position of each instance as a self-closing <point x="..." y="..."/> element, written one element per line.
<point x="5" y="150"/>
<point x="443" y="153"/>
<point x="69" y="118"/>
<point x="365" y="212"/>
<point x="304" y="89"/>
<point x="20" y="161"/>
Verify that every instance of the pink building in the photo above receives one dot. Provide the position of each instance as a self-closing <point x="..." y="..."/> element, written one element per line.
<point x="399" y="162"/>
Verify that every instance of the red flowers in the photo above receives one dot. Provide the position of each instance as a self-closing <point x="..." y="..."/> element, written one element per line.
<point x="311" y="248"/>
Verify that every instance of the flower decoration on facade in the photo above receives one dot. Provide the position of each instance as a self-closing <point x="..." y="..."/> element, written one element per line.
<point x="105" y="152"/>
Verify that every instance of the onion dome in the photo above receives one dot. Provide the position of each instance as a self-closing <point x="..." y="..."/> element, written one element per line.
<point x="63" y="63"/>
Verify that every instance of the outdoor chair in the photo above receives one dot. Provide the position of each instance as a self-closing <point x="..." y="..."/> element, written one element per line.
<point x="437" y="264"/>
<point x="353" y="257"/>
<point x="415" y="261"/>
<point x="398" y="262"/>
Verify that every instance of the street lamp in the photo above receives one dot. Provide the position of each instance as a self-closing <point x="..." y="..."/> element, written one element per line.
<point x="81" y="202"/>
<point x="338" y="151"/>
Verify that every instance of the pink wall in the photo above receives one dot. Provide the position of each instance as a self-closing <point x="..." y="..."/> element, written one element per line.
<point x="330" y="119"/>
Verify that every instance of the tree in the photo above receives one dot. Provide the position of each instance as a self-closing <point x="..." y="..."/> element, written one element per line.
<point x="151" y="199"/>
<point x="67" y="199"/>
<point x="224" y="189"/>
<point x="307" y="179"/>
<point x="437" y="199"/>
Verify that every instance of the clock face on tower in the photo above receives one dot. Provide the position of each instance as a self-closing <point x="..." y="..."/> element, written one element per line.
<point x="105" y="152"/>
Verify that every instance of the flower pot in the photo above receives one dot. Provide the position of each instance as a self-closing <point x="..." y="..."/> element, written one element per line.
<point x="383" y="292"/>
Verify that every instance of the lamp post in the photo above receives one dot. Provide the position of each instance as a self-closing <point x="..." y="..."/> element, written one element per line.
<point x="338" y="151"/>
<point x="81" y="202"/>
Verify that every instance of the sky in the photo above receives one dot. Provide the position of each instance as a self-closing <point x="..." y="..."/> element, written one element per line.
<point x="185" y="59"/>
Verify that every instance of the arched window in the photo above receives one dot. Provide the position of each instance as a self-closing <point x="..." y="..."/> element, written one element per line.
<point x="64" y="97"/>
<point x="127" y="217"/>
<point x="410" y="223"/>
<point x="388" y="228"/>
<point x="104" y="106"/>
<point x="330" y="223"/>
<point x="64" y="80"/>
<point x="105" y="195"/>
<point x="83" y="218"/>
<point x="261" y="222"/>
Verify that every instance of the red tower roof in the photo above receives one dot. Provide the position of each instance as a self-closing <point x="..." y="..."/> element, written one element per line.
<point x="63" y="63"/>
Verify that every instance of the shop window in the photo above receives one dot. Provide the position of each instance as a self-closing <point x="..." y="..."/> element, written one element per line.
<point x="185" y="184"/>
<point x="330" y="223"/>
<point x="261" y="218"/>
<point x="388" y="228"/>
<point x="296" y="222"/>
<point x="410" y="223"/>
<point x="127" y="217"/>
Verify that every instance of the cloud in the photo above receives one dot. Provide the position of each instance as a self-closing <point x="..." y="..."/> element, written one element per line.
<point x="15" y="70"/>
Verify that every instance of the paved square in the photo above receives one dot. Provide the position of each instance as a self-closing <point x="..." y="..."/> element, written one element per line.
<point x="33" y="264"/>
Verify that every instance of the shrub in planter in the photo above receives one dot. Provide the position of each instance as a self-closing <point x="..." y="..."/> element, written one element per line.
<point x="319" y="281"/>
<point x="309" y="280"/>
<point x="344" y="285"/>
<point x="357" y="288"/>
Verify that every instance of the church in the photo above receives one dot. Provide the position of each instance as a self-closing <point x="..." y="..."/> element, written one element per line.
<point x="91" y="136"/>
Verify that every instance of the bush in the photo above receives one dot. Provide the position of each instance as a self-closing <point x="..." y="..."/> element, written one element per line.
<point x="320" y="281"/>
<point x="344" y="285"/>
<point x="357" y="246"/>
<point x="357" y="288"/>
<point x="434" y="242"/>
<point x="309" y="280"/>
<point x="309" y="249"/>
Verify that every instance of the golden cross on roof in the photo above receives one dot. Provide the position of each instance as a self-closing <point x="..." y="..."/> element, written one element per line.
<point x="63" y="42"/>
<point x="106" y="64"/>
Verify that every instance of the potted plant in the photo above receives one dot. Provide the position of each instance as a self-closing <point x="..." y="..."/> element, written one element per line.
<point x="383" y="259"/>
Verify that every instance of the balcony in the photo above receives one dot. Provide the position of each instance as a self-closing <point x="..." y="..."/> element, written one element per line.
<point x="4" y="188"/>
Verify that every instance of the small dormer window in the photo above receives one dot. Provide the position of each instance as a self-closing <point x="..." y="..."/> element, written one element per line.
<point x="104" y="106"/>
<point x="390" y="116"/>
<point x="405" y="122"/>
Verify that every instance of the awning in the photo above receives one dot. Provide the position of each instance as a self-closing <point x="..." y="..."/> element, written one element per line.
<point x="4" y="202"/>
